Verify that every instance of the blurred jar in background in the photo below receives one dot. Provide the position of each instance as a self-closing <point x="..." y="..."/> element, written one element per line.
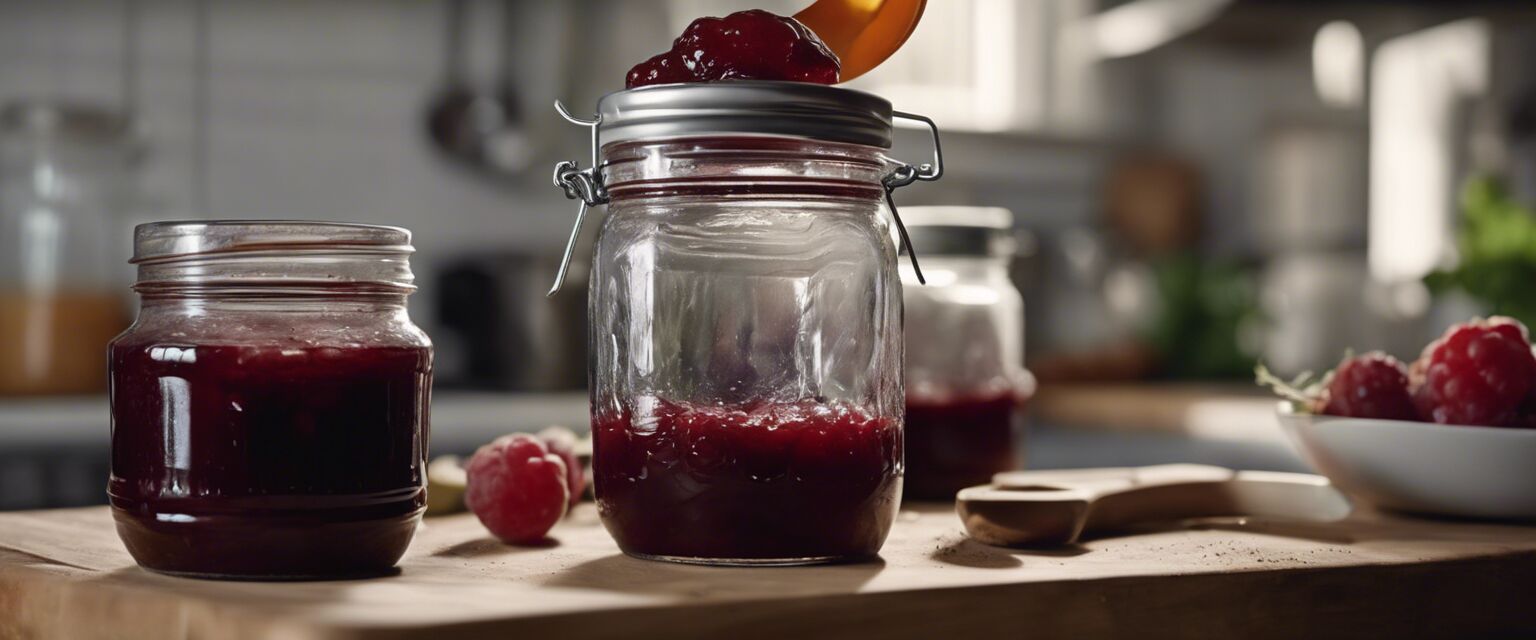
<point x="64" y="175"/>
<point x="965" y="377"/>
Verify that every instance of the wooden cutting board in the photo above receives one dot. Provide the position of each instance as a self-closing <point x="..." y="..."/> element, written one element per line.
<point x="64" y="574"/>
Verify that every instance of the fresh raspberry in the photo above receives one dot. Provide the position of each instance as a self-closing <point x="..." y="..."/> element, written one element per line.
<point x="746" y="45"/>
<point x="1481" y="372"/>
<point x="1370" y="385"/>
<point x="517" y="488"/>
<point x="562" y="442"/>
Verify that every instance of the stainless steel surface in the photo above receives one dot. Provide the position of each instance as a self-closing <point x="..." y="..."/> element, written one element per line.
<point x="745" y="107"/>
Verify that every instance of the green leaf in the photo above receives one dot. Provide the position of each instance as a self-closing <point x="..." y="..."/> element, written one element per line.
<point x="1497" y="242"/>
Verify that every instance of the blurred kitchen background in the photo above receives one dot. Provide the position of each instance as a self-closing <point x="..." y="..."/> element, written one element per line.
<point x="1197" y="185"/>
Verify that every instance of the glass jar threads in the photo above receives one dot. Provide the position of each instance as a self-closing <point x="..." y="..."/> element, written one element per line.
<point x="270" y="403"/>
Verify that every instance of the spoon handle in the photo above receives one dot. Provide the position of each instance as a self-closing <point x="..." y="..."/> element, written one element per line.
<point x="863" y="33"/>
<point x="1056" y="507"/>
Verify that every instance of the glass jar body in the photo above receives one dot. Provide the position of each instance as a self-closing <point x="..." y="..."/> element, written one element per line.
<point x="966" y="383"/>
<point x="269" y="429"/>
<point x="65" y="184"/>
<point x="269" y="439"/>
<point x="746" y="354"/>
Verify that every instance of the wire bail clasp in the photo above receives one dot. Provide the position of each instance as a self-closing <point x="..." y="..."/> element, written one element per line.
<point x="906" y="174"/>
<point x="583" y="185"/>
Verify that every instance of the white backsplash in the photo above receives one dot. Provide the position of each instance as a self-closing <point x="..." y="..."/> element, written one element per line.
<point x="315" y="110"/>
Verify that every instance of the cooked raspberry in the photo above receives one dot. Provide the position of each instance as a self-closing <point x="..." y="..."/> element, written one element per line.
<point x="1370" y="385"/>
<point x="1480" y="372"/>
<point x="666" y="67"/>
<point x="562" y="442"/>
<point x="746" y="45"/>
<point x="517" y="488"/>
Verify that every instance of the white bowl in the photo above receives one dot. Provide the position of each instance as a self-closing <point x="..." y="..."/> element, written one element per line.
<point x="1471" y="472"/>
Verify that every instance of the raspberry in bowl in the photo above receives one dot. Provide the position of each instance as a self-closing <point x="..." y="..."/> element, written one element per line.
<point x="1441" y="436"/>
<point x="1479" y="373"/>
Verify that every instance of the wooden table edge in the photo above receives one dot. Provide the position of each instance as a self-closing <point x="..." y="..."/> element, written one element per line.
<point x="1485" y="595"/>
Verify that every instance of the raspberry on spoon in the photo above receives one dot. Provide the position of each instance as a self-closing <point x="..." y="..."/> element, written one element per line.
<point x="517" y="488"/>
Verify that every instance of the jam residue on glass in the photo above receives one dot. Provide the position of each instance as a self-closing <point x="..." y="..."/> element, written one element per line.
<point x="746" y="45"/>
<point x="273" y="460"/>
<point x="758" y="481"/>
<point x="959" y="441"/>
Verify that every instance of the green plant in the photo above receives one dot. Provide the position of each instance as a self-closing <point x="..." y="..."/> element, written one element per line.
<point x="1497" y="252"/>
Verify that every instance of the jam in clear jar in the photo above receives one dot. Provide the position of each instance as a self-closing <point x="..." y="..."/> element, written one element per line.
<point x="748" y="481"/>
<point x="966" y="385"/>
<point x="270" y="403"/>
<point x="955" y="442"/>
<point x="746" y="325"/>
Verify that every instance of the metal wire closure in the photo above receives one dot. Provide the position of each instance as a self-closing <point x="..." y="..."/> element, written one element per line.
<point x="906" y="174"/>
<point x="586" y="186"/>
<point x="578" y="184"/>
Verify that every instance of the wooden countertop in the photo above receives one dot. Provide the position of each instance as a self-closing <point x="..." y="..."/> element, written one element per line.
<point x="64" y="574"/>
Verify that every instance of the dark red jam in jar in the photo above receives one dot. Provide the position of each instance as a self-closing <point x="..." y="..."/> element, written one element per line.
<point x="751" y="481"/>
<point x="269" y="405"/>
<point x="745" y="324"/>
<point x="966" y="384"/>
<point x="959" y="441"/>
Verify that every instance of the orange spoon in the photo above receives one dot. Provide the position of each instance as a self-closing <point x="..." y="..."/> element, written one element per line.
<point x="863" y="33"/>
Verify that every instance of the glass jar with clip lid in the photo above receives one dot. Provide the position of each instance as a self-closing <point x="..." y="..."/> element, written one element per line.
<point x="745" y="309"/>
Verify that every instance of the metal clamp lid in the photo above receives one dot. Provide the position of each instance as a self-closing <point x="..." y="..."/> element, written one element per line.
<point x="792" y="118"/>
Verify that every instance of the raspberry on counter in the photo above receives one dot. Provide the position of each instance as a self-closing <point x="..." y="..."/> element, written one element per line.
<point x="562" y="442"/>
<point x="517" y="488"/>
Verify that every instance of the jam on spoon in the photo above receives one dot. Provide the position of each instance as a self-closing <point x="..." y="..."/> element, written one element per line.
<point x="746" y="45"/>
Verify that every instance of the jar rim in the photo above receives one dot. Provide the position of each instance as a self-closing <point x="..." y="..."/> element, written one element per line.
<point x="173" y="240"/>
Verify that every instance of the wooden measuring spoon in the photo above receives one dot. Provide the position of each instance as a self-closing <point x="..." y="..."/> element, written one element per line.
<point x="1047" y="508"/>
<point x="863" y="33"/>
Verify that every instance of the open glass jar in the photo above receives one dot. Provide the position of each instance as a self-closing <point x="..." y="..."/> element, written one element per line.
<point x="269" y="404"/>
<point x="966" y="384"/>
<point x="745" y="323"/>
